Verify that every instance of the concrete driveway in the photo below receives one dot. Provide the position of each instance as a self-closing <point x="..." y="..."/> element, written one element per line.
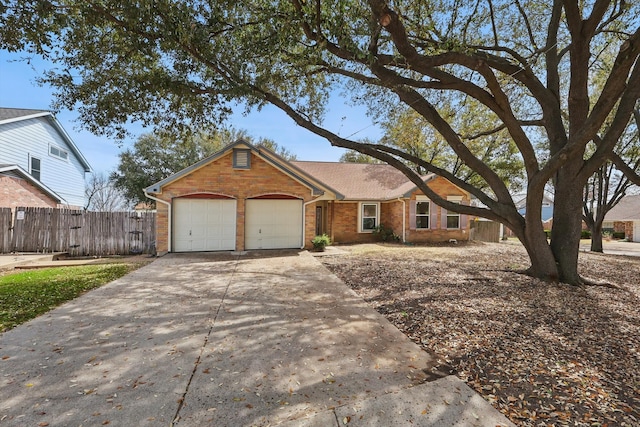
<point x="614" y="247"/>
<point x="265" y="338"/>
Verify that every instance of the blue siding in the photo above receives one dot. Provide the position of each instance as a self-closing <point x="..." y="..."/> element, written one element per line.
<point x="23" y="139"/>
<point x="547" y="212"/>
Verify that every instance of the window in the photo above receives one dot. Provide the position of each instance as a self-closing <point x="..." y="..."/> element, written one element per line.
<point x="422" y="214"/>
<point x="35" y="167"/>
<point x="58" y="152"/>
<point x="453" y="218"/>
<point x="368" y="217"/>
<point x="241" y="159"/>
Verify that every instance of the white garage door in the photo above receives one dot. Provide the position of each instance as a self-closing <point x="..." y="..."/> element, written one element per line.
<point x="636" y="231"/>
<point x="204" y="225"/>
<point x="273" y="224"/>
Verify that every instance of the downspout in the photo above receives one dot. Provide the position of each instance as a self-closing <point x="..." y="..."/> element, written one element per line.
<point x="404" y="220"/>
<point x="168" y="217"/>
<point x="304" y="216"/>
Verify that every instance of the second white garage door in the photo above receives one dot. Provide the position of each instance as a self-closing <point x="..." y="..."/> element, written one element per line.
<point x="204" y="225"/>
<point x="273" y="224"/>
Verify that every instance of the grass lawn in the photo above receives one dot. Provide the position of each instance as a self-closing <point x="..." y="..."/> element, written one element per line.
<point x="28" y="294"/>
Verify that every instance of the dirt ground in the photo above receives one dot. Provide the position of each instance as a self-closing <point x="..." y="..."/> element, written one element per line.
<point x="542" y="354"/>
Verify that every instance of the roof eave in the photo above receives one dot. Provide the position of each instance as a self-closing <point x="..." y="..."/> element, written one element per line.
<point x="408" y="194"/>
<point x="26" y="117"/>
<point x="47" y="114"/>
<point x="317" y="188"/>
<point x="26" y="175"/>
<point x="83" y="161"/>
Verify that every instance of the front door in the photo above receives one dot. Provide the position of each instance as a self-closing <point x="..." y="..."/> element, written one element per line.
<point x="319" y="229"/>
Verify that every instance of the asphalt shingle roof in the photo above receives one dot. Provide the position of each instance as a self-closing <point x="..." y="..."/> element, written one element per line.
<point x="359" y="181"/>
<point x="628" y="209"/>
<point x="12" y="113"/>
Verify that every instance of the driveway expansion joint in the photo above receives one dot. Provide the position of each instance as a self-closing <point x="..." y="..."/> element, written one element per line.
<point x="181" y="401"/>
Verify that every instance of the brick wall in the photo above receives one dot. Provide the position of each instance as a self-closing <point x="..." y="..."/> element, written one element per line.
<point x="345" y="224"/>
<point x="444" y="188"/>
<point x="16" y="192"/>
<point x="391" y="216"/>
<point x="220" y="177"/>
<point x="341" y="218"/>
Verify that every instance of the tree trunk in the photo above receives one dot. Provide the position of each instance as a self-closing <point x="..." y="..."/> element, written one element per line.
<point x="596" y="236"/>
<point x="531" y="234"/>
<point x="567" y="223"/>
<point x="543" y="264"/>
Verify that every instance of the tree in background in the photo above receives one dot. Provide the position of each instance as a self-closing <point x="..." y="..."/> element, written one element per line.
<point x="608" y="185"/>
<point x="155" y="156"/>
<point x="410" y="132"/>
<point x="352" y="156"/>
<point x="103" y="196"/>
<point x="527" y="67"/>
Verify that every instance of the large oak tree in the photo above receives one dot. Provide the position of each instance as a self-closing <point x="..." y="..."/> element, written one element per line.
<point x="525" y="65"/>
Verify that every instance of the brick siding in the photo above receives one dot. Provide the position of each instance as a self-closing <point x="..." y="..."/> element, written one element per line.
<point x="17" y="192"/>
<point x="220" y="177"/>
<point x="340" y="218"/>
<point x="445" y="189"/>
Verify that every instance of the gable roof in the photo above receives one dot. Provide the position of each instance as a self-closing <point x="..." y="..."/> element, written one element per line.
<point x="265" y="154"/>
<point x="361" y="181"/>
<point x="628" y="209"/>
<point x="11" y="115"/>
<point x="347" y="181"/>
<point x="17" y="171"/>
<point x="520" y="200"/>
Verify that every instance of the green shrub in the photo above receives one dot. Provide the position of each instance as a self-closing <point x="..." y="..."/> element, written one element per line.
<point x="618" y="235"/>
<point x="547" y="233"/>
<point x="585" y="234"/>
<point x="386" y="234"/>
<point x="320" y="242"/>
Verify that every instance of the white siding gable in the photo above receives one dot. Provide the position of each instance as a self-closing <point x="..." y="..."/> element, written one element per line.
<point x="21" y="140"/>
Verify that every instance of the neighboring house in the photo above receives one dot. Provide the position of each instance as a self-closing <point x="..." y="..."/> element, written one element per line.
<point x="546" y="210"/>
<point x="247" y="197"/>
<point x="625" y="216"/>
<point x="39" y="163"/>
<point x="19" y="188"/>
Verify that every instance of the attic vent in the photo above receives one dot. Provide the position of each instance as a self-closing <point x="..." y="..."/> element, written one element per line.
<point x="241" y="159"/>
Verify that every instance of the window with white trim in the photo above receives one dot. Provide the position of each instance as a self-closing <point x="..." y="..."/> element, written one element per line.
<point x="58" y="152"/>
<point x="453" y="218"/>
<point x="422" y="212"/>
<point x="34" y="166"/>
<point x="369" y="214"/>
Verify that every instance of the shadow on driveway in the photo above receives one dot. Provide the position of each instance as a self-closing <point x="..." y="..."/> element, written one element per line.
<point x="216" y="339"/>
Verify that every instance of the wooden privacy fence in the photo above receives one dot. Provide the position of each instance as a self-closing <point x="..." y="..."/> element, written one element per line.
<point x="485" y="231"/>
<point x="5" y="229"/>
<point x="79" y="232"/>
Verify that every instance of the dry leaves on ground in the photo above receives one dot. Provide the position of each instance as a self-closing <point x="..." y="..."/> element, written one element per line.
<point x="542" y="354"/>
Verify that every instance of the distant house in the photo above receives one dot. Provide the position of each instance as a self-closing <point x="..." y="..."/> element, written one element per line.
<point x="246" y="197"/>
<point x="546" y="210"/>
<point x="39" y="163"/>
<point x="625" y="217"/>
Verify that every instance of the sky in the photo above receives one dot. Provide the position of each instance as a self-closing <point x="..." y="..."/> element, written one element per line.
<point x="18" y="89"/>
